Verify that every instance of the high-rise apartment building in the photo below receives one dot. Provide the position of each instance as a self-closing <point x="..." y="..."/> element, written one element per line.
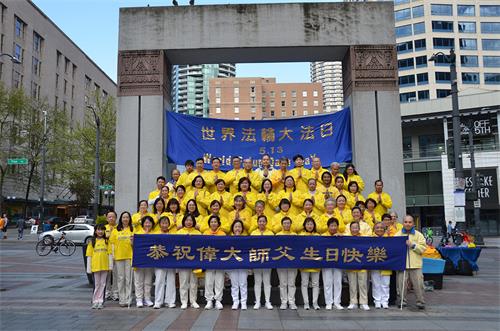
<point x="256" y="98"/>
<point x="426" y="27"/>
<point x="190" y="86"/>
<point x="329" y="74"/>
<point x="51" y="65"/>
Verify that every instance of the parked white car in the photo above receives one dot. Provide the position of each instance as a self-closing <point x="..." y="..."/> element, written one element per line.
<point x="84" y="219"/>
<point x="78" y="233"/>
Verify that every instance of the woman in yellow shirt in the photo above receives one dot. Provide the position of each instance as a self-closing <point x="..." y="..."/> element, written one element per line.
<point x="259" y="211"/>
<point x="332" y="277"/>
<point x="370" y="215"/>
<point x="192" y="209"/>
<point x="215" y="210"/>
<point x="122" y="255"/>
<point x="269" y="197"/>
<point x="284" y="206"/>
<point x="143" y="276"/>
<point x="351" y="175"/>
<point x="164" y="278"/>
<point x="240" y="212"/>
<point x="365" y="228"/>
<point x="339" y="187"/>
<point x="245" y="190"/>
<point x="238" y="276"/>
<point x="165" y="193"/>
<point x="293" y="195"/>
<point x="188" y="282"/>
<point x="99" y="263"/>
<point x="308" y="208"/>
<point x="158" y="211"/>
<point x="180" y="195"/>
<point x="310" y="273"/>
<point x="262" y="276"/>
<point x="341" y="212"/>
<point x="224" y="197"/>
<point x="141" y="212"/>
<point x="214" y="279"/>
<point x="316" y="196"/>
<point x="357" y="279"/>
<point x="354" y="195"/>
<point x="287" y="276"/>
<point x="329" y="213"/>
<point x="200" y="194"/>
<point x="173" y="212"/>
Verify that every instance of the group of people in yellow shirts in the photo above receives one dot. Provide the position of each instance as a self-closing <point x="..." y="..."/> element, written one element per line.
<point x="265" y="201"/>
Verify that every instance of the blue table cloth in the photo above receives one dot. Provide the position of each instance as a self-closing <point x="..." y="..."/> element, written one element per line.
<point x="455" y="254"/>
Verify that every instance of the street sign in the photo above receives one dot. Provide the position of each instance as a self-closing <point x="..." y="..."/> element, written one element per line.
<point x="477" y="204"/>
<point x="106" y="187"/>
<point x="17" y="161"/>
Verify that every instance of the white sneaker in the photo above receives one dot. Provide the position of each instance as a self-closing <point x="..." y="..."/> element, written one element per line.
<point x="139" y="304"/>
<point x="195" y="305"/>
<point x="171" y="305"/>
<point x="148" y="303"/>
<point x="352" y="306"/>
<point x="256" y="306"/>
<point x="339" y="307"/>
<point x="235" y="306"/>
<point x="94" y="305"/>
<point x="219" y="305"/>
<point x="378" y="305"/>
<point x="156" y="306"/>
<point x="293" y="306"/>
<point x="306" y="307"/>
<point x="184" y="306"/>
<point x="365" y="307"/>
<point x="243" y="306"/>
<point x="283" y="306"/>
<point x="328" y="307"/>
<point x="385" y="306"/>
<point x="100" y="305"/>
<point x="316" y="306"/>
<point x="269" y="306"/>
<point x="209" y="305"/>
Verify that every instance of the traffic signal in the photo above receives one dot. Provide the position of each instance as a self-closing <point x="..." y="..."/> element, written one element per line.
<point x="450" y="153"/>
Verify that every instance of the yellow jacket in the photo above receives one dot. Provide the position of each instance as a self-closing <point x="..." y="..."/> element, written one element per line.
<point x="286" y="233"/>
<point x="384" y="204"/>
<point x="300" y="182"/>
<point x="209" y="232"/>
<point x="201" y="199"/>
<point x="232" y="179"/>
<point x="316" y="174"/>
<point x="298" y="223"/>
<point x="357" y="179"/>
<point x="153" y="195"/>
<point x="227" y="200"/>
<point x="345" y="215"/>
<point x="184" y="180"/>
<point x="271" y="201"/>
<point x="414" y="256"/>
<point x="225" y="224"/>
<point x="175" y="221"/>
<point x="250" y="199"/>
<point x="364" y="228"/>
<point x="276" y="222"/>
<point x="265" y="233"/>
<point x="276" y="178"/>
<point x="328" y="192"/>
<point x="136" y="220"/>
<point x="371" y="218"/>
<point x="190" y="231"/>
<point x="322" y="226"/>
<point x="255" y="179"/>
<point x="297" y="200"/>
<point x="245" y="216"/>
<point x="210" y="177"/>
<point x="109" y="229"/>
<point x="352" y="199"/>
<point x="319" y="201"/>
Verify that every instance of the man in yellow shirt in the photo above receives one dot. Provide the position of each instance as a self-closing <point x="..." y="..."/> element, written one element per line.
<point x="299" y="173"/>
<point x="316" y="196"/>
<point x="212" y="176"/>
<point x="335" y="170"/>
<point x="199" y="170"/>
<point x="384" y="201"/>
<point x="317" y="170"/>
<point x="160" y="182"/>
<point x="183" y="178"/>
<point x="266" y="168"/>
<point x="233" y="176"/>
<point x="254" y="177"/>
<point x="278" y="176"/>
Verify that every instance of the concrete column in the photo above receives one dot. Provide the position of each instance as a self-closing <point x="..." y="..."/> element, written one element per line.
<point x="143" y="99"/>
<point x="371" y="91"/>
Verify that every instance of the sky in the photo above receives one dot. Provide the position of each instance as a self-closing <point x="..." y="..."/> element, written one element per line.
<point x="93" y="26"/>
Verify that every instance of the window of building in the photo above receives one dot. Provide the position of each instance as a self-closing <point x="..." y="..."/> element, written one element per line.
<point x="283" y="113"/>
<point x="17" y="79"/>
<point x="3" y="9"/>
<point x="442" y="26"/>
<point x="294" y="103"/>
<point x="400" y="2"/>
<point x="294" y="94"/>
<point x="283" y="94"/>
<point x="422" y="78"/>
<point x="271" y="104"/>
<point x="469" y="61"/>
<point x="73" y="73"/>
<point x="217" y="110"/>
<point x="252" y="89"/>
<point x="18" y="52"/>
<point x="304" y="93"/>
<point x="2" y="40"/>
<point x="468" y="44"/>
<point x="236" y="110"/>
<point x="443" y="42"/>
<point x="57" y="81"/>
<point x="305" y="112"/>
<point x="466" y="10"/>
<point x="272" y="113"/>
<point x="315" y="93"/>
<point x="407" y="80"/>
<point x="441" y="10"/>
<point x="489" y="10"/>
<point x="423" y="95"/>
<point x="442" y="93"/>
<point x="491" y="61"/>
<point x="405" y="64"/>
<point x="492" y="78"/>
<point x="467" y="27"/>
<point x="407" y="97"/>
<point x="236" y="118"/>
<point x="315" y="103"/>
<point x="403" y="14"/>
<point x="35" y="90"/>
<point x="407" y="149"/>
<point x="491" y="44"/>
<point x="58" y="59"/>
<point x="65" y="86"/>
<point x="236" y="92"/>
<point x="490" y="27"/>
<point x="304" y="103"/>
<point x="36" y="67"/>
<point x="420" y="44"/>
<point x="417" y="11"/>
<point x="470" y="78"/>
<point x="403" y="31"/>
<point x="283" y="103"/>
<point x="442" y="77"/>
<point x="253" y="110"/>
<point x="217" y="91"/>
<point x="418" y="28"/>
<point x="405" y="47"/>
<point x="431" y="145"/>
<point x="271" y="94"/>
<point x="294" y="112"/>
<point x="20" y="27"/>
<point x="72" y="91"/>
<point x="421" y="61"/>
<point x="37" y="43"/>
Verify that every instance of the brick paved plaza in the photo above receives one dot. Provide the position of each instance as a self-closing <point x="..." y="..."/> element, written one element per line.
<point x="52" y="293"/>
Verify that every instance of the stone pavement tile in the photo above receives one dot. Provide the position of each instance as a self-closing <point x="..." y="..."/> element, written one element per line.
<point x="389" y="324"/>
<point x="269" y="321"/>
<point x="228" y="320"/>
<point x="319" y="325"/>
<point x="206" y="320"/>
<point x="477" y="325"/>
<point x="163" y="321"/>
<point x="185" y="320"/>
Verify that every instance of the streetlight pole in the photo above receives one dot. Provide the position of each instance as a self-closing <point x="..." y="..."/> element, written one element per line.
<point x="42" y="180"/>
<point x="459" y="184"/>
<point x="97" y="161"/>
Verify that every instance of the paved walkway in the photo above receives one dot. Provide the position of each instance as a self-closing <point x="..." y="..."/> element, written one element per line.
<point x="52" y="293"/>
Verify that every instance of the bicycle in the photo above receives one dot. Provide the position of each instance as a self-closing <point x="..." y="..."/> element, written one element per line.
<point x="46" y="245"/>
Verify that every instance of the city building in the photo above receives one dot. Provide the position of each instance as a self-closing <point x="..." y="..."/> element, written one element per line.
<point x="329" y="74"/>
<point x="51" y="65"/>
<point x="256" y="98"/>
<point x="190" y="86"/>
<point x="426" y="27"/>
<point x="429" y="183"/>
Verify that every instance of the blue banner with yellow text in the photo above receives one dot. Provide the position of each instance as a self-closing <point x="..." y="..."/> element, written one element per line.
<point x="326" y="136"/>
<point x="252" y="252"/>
